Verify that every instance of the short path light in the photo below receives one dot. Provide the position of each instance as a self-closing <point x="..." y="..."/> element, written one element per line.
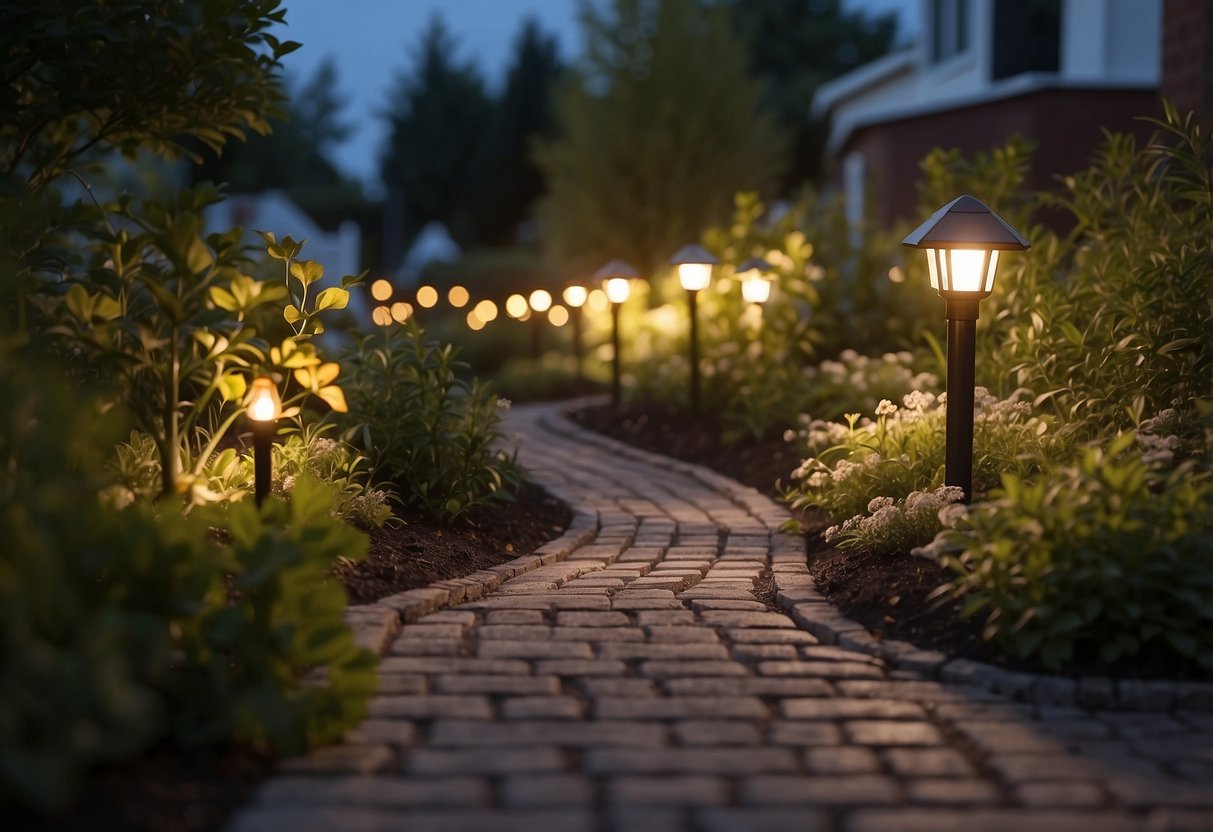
<point x="575" y="296"/>
<point x="616" y="275"/>
<point x="962" y="240"/>
<point x="755" y="280"/>
<point x="264" y="408"/>
<point x="694" y="273"/>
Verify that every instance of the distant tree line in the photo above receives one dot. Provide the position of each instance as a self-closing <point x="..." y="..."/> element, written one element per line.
<point x="630" y="151"/>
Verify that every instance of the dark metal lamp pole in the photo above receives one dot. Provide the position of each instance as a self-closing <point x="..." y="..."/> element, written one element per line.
<point x="695" y="274"/>
<point x="616" y="277"/>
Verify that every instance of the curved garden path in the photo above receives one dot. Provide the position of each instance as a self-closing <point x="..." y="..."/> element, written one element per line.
<point x="636" y="679"/>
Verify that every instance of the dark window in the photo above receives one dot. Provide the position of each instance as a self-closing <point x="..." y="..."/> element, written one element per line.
<point x="1027" y="37"/>
<point x="949" y="29"/>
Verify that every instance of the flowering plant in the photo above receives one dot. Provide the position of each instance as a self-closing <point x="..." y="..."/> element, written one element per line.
<point x="894" y="527"/>
<point x="902" y="451"/>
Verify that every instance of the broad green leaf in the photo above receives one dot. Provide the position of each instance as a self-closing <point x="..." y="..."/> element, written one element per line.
<point x="80" y="303"/>
<point x="332" y="298"/>
<point x="335" y="398"/>
<point x="307" y="272"/>
<point x="292" y="314"/>
<point x="232" y="387"/>
<point x="224" y="299"/>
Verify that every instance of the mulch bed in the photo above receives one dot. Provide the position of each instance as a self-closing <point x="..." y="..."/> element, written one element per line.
<point x="417" y="552"/>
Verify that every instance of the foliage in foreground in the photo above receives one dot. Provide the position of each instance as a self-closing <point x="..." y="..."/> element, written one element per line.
<point x="125" y="627"/>
<point x="427" y="431"/>
<point x="1111" y="558"/>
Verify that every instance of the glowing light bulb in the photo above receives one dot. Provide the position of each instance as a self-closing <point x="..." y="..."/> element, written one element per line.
<point x="541" y="300"/>
<point x="575" y="296"/>
<point x="263" y="402"/>
<point x="618" y="289"/>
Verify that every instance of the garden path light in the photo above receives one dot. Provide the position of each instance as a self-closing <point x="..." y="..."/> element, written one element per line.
<point x="694" y="273"/>
<point x="755" y="280"/>
<point x="575" y="295"/>
<point x="962" y="240"/>
<point x="616" y="276"/>
<point x="264" y="409"/>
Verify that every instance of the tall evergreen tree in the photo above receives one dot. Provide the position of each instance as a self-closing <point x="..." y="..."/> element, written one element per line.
<point x="660" y="127"/>
<point x="795" y="47"/>
<point x="509" y="182"/>
<point x="438" y="115"/>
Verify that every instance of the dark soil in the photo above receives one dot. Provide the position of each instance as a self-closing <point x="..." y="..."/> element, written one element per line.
<point x="890" y="596"/>
<point x="417" y="552"/>
<point x="166" y="790"/>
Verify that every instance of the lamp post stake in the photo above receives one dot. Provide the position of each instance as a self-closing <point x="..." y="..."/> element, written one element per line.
<point x="615" y="353"/>
<point x="263" y="450"/>
<point x="962" y="360"/>
<point x="692" y="300"/>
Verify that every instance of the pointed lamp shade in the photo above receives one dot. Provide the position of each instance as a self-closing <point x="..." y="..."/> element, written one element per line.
<point x="962" y="240"/>
<point x="616" y="276"/>
<point x="694" y="267"/>
<point x="755" y="284"/>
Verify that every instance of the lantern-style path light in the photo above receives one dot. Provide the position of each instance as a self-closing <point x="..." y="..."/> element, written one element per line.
<point x="755" y="280"/>
<point x="575" y="295"/>
<point x="264" y="409"/>
<point x="695" y="274"/>
<point x="962" y="240"/>
<point x="616" y="276"/>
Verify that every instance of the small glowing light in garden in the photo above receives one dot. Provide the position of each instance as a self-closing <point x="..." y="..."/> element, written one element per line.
<point x="558" y="315"/>
<point x="515" y="306"/>
<point x="401" y="311"/>
<point x="474" y="322"/>
<point x="381" y="290"/>
<point x="694" y="267"/>
<point x="541" y="300"/>
<point x="576" y="296"/>
<point x="896" y="275"/>
<point x="618" y="289"/>
<point x="427" y="296"/>
<point x="486" y="311"/>
<point x="382" y="316"/>
<point x="458" y="297"/>
<point x="264" y="405"/>
<point x="962" y="240"/>
<point x="755" y="284"/>
<point x="264" y="408"/>
<point x="695" y="274"/>
<point x="597" y="300"/>
<point x="616" y="276"/>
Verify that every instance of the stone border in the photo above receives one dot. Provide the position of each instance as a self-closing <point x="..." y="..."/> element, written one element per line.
<point x="796" y="594"/>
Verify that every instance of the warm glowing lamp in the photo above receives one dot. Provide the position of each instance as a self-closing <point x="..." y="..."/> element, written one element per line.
<point x="616" y="277"/>
<point x="541" y="300"/>
<point x="263" y="408"/>
<point x="695" y="274"/>
<point x="962" y="240"/>
<point x="755" y="280"/>
<point x="575" y="296"/>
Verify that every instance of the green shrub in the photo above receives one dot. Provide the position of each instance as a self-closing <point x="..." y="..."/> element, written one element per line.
<point x="311" y="454"/>
<point x="902" y="451"/>
<point x="857" y="382"/>
<point x="425" y="429"/>
<point x="121" y="628"/>
<point x="1108" y="558"/>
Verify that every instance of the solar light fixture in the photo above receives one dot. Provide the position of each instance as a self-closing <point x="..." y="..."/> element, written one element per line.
<point x="755" y="280"/>
<point x="264" y="407"/>
<point x="962" y="241"/>
<point x="616" y="276"/>
<point x="695" y="274"/>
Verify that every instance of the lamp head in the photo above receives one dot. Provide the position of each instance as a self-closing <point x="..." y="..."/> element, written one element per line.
<point x="264" y="405"/>
<point x="962" y="240"/>
<point x="616" y="276"/>
<point x="541" y="300"/>
<point x="575" y="296"/>
<point x="694" y="267"/>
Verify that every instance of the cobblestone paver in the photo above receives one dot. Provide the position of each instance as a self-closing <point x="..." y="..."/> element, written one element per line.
<point x="644" y="682"/>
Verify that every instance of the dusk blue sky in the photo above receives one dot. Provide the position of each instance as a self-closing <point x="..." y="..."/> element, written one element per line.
<point x="373" y="39"/>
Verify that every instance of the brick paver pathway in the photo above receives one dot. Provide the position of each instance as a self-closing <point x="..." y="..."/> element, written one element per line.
<point x="644" y="683"/>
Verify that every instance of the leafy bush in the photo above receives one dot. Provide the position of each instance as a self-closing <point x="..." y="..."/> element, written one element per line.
<point x="1110" y="557"/>
<point x="857" y="382"/>
<point x="311" y="454"/>
<point x="425" y="429"/>
<point x="903" y="451"/>
<point x="120" y="628"/>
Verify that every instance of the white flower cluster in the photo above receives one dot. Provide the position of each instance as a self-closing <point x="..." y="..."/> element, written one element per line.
<point x="885" y="408"/>
<point x="1157" y="450"/>
<point x="893" y="525"/>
